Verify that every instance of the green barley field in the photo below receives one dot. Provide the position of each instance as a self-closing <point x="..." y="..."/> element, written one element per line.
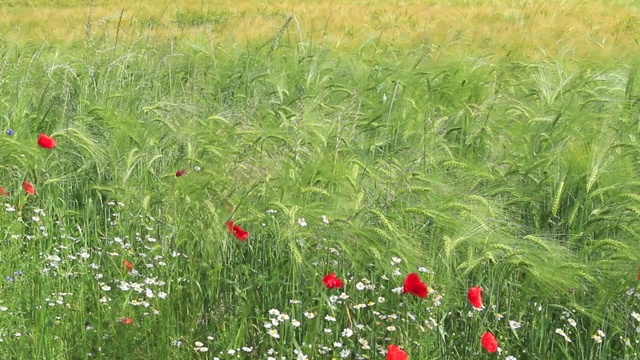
<point x="319" y="179"/>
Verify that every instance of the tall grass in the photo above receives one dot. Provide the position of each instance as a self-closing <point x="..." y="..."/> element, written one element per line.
<point x="521" y="178"/>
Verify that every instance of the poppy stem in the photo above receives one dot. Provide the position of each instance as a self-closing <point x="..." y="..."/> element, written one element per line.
<point x="255" y="185"/>
<point x="348" y="315"/>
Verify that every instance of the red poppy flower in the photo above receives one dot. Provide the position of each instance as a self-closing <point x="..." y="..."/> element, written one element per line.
<point x="489" y="342"/>
<point x="638" y="265"/>
<point x="181" y="172"/>
<point x="475" y="297"/>
<point x="237" y="231"/>
<point x="3" y="191"/>
<point x="413" y="285"/>
<point x="395" y="353"/>
<point x="46" y="142"/>
<point x="331" y="281"/>
<point x="28" y="188"/>
<point x="127" y="265"/>
<point x="126" y="320"/>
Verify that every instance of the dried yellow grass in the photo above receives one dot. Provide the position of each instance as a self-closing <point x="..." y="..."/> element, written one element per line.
<point x="533" y="28"/>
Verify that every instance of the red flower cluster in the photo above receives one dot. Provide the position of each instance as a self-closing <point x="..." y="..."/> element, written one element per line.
<point x="415" y="286"/>
<point x="237" y="231"/>
<point x="331" y="281"/>
<point x="395" y="353"/>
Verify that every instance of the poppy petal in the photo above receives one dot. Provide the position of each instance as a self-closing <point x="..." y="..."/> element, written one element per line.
<point x="46" y="142"/>
<point x="28" y="188"/>
<point x="395" y="353"/>
<point x="127" y="265"/>
<point x="489" y="342"/>
<point x="413" y="285"/>
<point x="237" y="231"/>
<point x="240" y="233"/>
<point x="475" y="297"/>
<point x="331" y="281"/>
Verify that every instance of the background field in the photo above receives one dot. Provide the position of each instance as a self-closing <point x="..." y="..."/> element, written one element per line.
<point x="525" y="28"/>
<point x="474" y="143"/>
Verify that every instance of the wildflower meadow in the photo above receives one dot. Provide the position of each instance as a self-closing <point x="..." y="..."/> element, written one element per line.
<point x="190" y="197"/>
